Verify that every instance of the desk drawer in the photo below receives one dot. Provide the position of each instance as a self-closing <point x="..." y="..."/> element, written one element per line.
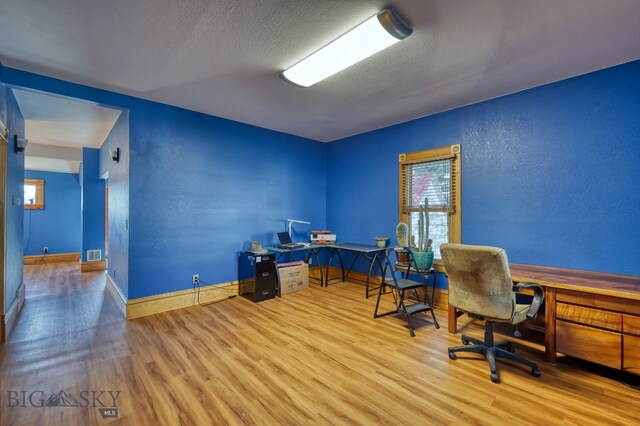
<point x="631" y="361"/>
<point x="631" y="324"/>
<point x="599" y="301"/>
<point x="599" y="346"/>
<point x="589" y="316"/>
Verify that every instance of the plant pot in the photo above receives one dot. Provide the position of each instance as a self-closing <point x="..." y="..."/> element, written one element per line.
<point x="403" y="257"/>
<point x="424" y="259"/>
<point x="382" y="243"/>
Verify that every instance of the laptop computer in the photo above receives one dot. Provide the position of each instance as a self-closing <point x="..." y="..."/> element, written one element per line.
<point x="286" y="243"/>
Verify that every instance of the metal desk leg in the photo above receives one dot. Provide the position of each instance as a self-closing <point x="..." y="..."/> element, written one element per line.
<point x="433" y="290"/>
<point x="366" y="289"/>
<point x="326" y="273"/>
<point x="314" y="252"/>
<point x="333" y="252"/>
<point x="376" y="258"/>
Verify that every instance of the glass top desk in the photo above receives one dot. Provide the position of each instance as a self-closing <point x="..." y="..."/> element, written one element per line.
<point x="373" y="254"/>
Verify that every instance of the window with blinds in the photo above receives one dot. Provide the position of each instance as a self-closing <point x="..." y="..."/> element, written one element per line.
<point x="432" y="174"/>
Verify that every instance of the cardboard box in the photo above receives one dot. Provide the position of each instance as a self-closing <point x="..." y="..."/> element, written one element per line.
<point x="293" y="277"/>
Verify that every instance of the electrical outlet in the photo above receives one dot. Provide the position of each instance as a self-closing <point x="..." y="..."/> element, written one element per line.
<point x="45" y="250"/>
<point x="196" y="279"/>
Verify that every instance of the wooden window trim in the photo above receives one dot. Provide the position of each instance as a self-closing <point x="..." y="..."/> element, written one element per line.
<point x="39" y="184"/>
<point x="455" y="217"/>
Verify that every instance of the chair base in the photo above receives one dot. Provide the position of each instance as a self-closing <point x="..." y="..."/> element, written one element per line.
<point x="491" y="351"/>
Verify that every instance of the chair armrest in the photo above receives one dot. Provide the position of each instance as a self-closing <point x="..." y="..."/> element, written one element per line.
<point x="538" y="296"/>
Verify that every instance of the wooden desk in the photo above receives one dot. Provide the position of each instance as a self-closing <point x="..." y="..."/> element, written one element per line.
<point x="589" y="315"/>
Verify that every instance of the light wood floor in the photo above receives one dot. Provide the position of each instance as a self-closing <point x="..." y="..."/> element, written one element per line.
<point x="312" y="357"/>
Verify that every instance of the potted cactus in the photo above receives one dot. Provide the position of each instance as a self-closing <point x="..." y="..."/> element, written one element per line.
<point x="402" y="231"/>
<point x="422" y="251"/>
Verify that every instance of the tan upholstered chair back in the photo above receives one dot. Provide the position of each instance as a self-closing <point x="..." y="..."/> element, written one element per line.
<point x="479" y="280"/>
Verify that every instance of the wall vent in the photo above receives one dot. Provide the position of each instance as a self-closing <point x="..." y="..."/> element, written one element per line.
<point x="94" y="255"/>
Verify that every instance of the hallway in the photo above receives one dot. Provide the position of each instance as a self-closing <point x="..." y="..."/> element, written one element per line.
<point x="68" y="323"/>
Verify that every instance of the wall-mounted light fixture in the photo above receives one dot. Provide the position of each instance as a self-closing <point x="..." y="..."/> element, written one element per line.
<point x="19" y="143"/>
<point x="115" y="154"/>
<point x="373" y="35"/>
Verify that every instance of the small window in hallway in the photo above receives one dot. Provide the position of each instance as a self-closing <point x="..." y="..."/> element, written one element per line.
<point x="34" y="194"/>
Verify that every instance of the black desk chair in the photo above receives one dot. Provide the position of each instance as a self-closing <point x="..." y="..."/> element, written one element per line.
<point x="480" y="284"/>
<point x="398" y="283"/>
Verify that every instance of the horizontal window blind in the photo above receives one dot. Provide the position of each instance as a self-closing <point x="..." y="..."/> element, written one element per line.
<point x="434" y="180"/>
<point x="430" y="179"/>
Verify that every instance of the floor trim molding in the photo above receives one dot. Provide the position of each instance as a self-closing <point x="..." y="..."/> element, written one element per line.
<point x="144" y="306"/>
<point x="99" y="265"/>
<point x="150" y="305"/>
<point x="51" y="258"/>
<point x="116" y="293"/>
<point x="11" y="317"/>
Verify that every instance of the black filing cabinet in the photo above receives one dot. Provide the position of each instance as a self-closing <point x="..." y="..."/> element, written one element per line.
<point x="258" y="276"/>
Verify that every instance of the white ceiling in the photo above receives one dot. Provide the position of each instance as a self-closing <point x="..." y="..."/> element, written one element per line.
<point x="51" y="158"/>
<point x="52" y="120"/>
<point x="58" y="128"/>
<point x="223" y="57"/>
<point x="51" y="165"/>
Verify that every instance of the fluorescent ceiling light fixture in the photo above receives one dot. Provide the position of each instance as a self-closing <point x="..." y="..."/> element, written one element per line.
<point x="373" y="35"/>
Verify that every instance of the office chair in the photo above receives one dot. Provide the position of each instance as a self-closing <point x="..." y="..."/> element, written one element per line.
<point x="399" y="285"/>
<point x="480" y="284"/>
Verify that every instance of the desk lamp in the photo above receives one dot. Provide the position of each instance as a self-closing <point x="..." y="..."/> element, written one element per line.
<point x="290" y="221"/>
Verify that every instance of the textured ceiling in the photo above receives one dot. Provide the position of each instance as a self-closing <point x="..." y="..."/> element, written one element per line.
<point x="223" y="57"/>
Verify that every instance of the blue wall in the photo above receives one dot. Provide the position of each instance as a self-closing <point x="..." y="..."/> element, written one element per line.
<point x="92" y="199"/>
<point x="58" y="225"/>
<point x="202" y="187"/>
<point x="118" y="176"/>
<point x="12" y="118"/>
<point x="551" y="174"/>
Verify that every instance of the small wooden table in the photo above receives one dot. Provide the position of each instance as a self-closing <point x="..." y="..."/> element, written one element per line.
<point x="589" y="315"/>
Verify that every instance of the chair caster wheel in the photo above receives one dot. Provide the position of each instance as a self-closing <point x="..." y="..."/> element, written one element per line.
<point x="535" y="372"/>
<point x="465" y="341"/>
<point x="495" y="378"/>
<point x="510" y="348"/>
<point x="452" y="355"/>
